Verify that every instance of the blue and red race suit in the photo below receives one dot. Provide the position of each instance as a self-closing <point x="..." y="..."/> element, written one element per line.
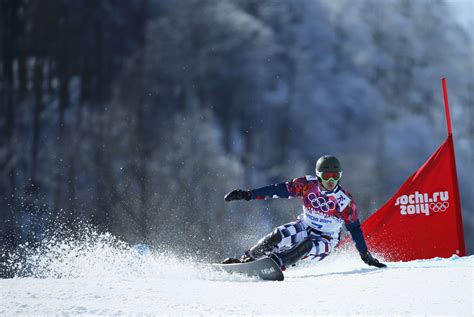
<point x="324" y="211"/>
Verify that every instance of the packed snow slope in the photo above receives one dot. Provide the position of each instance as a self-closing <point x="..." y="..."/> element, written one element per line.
<point x="104" y="278"/>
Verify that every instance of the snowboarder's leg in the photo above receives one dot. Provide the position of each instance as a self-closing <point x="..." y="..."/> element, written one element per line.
<point x="322" y="246"/>
<point x="283" y="237"/>
<point x="293" y="255"/>
<point x="315" y="245"/>
<point x="265" y="245"/>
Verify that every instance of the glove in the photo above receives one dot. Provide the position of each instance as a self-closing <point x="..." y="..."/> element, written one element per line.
<point x="370" y="260"/>
<point x="237" y="194"/>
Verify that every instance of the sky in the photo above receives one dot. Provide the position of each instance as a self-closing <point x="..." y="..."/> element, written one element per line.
<point x="464" y="11"/>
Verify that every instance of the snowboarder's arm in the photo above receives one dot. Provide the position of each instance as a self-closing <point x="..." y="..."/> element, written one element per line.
<point x="357" y="236"/>
<point x="352" y="223"/>
<point x="279" y="190"/>
<point x="289" y="189"/>
<point x="273" y="191"/>
<point x="351" y="220"/>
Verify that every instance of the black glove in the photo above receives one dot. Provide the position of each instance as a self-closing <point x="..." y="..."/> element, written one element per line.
<point x="237" y="194"/>
<point x="370" y="260"/>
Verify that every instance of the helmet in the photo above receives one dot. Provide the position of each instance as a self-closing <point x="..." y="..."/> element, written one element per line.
<point x="327" y="163"/>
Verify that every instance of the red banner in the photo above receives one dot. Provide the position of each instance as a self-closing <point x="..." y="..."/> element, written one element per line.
<point x="423" y="219"/>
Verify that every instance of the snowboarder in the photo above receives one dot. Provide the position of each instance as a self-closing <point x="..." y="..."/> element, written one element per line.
<point x="315" y="233"/>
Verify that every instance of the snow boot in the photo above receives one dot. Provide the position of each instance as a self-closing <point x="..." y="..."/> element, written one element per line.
<point x="231" y="261"/>
<point x="247" y="257"/>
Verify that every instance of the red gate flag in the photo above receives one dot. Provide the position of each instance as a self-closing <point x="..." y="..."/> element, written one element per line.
<point x="423" y="219"/>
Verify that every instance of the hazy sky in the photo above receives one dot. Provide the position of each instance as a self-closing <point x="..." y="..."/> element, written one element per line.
<point x="464" y="11"/>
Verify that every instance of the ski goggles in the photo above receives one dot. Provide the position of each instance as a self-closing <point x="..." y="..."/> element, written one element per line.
<point x="335" y="176"/>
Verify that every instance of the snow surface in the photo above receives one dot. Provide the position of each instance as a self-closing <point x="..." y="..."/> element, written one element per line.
<point x="109" y="279"/>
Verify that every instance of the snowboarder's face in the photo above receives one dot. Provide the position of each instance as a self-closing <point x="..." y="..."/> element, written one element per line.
<point x="329" y="180"/>
<point x="328" y="184"/>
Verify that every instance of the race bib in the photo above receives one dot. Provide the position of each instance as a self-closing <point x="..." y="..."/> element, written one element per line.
<point x="342" y="199"/>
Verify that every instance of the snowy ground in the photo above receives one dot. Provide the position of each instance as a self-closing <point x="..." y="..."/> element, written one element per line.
<point x="105" y="281"/>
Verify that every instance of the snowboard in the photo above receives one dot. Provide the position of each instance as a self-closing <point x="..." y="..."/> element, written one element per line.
<point x="263" y="268"/>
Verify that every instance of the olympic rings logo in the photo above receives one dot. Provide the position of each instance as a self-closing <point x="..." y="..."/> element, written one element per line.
<point x="439" y="206"/>
<point x="320" y="203"/>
